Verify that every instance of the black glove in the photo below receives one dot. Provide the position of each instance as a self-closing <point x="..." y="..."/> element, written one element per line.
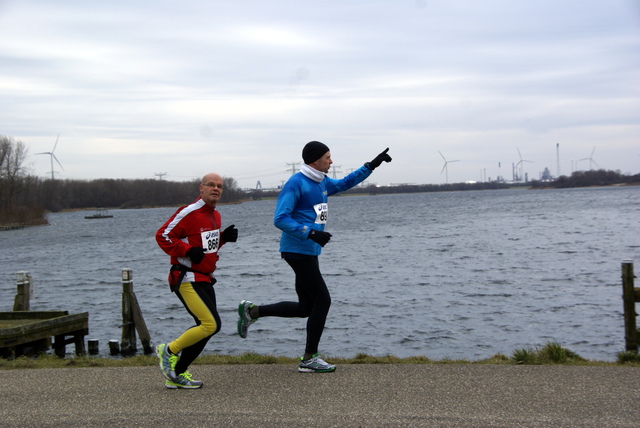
<point x="230" y="234"/>
<point x="378" y="159"/>
<point x="195" y="254"/>
<point x="319" y="237"/>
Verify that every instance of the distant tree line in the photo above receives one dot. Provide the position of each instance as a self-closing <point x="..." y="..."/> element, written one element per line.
<point x="577" y="179"/>
<point x="403" y="188"/>
<point x="25" y="199"/>
<point x="589" y="178"/>
<point x="427" y="188"/>
<point x="57" y="195"/>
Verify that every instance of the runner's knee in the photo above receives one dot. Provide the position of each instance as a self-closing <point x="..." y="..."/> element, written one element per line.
<point x="209" y="325"/>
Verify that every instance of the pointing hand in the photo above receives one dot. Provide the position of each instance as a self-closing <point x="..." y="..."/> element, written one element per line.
<point x="377" y="161"/>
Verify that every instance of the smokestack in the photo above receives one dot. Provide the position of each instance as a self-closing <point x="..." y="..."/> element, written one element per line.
<point x="558" y="158"/>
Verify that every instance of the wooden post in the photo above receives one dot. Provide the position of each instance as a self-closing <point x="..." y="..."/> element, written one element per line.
<point x="61" y="341"/>
<point x="24" y="293"/>
<point x="629" y="296"/>
<point x="78" y="341"/>
<point x="141" y="326"/>
<point x="59" y="345"/>
<point x="132" y="319"/>
<point x="94" y="346"/>
<point x="128" y="341"/>
<point x="114" y="347"/>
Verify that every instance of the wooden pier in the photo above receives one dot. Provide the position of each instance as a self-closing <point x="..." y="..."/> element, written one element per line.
<point x="30" y="332"/>
<point x="25" y="332"/>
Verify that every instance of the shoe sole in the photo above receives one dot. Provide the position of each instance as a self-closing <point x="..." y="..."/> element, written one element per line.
<point x="305" y="370"/>
<point x="181" y="387"/>
<point x="241" y="320"/>
<point x="240" y="329"/>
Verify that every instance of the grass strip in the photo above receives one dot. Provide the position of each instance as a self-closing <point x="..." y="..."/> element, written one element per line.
<point x="551" y="354"/>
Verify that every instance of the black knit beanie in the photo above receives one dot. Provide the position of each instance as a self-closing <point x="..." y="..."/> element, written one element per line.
<point x="313" y="151"/>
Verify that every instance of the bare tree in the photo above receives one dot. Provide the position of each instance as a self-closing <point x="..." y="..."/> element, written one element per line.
<point x="13" y="155"/>
<point x="6" y="147"/>
<point x="232" y="192"/>
<point x="13" y="172"/>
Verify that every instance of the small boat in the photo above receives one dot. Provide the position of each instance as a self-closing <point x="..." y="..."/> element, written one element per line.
<point x="100" y="213"/>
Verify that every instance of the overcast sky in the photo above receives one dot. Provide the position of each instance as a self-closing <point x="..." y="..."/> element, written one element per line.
<point x="139" y="88"/>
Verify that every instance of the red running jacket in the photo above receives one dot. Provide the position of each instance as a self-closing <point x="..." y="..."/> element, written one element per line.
<point x="194" y="225"/>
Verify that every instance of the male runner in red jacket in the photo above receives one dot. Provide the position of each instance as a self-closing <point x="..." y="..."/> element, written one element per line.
<point x="192" y="238"/>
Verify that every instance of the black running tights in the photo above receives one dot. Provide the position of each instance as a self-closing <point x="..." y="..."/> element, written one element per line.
<point x="313" y="299"/>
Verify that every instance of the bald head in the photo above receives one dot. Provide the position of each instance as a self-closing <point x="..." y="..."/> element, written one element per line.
<point x="211" y="188"/>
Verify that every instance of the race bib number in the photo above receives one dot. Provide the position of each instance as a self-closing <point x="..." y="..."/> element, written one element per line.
<point x="210" y="241"/>
<point x="322" y="212"/>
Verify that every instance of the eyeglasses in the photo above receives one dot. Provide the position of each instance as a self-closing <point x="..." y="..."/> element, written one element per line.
<point x="219" y="186"/>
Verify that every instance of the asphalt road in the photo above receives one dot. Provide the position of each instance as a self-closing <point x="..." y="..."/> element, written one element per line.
<point x="440" y="395"/>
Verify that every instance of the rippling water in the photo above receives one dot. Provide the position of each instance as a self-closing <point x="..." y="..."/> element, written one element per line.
<point x="444" y="275"/>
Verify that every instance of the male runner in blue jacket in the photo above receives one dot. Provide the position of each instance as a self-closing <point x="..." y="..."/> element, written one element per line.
<point x="301" y="213"/>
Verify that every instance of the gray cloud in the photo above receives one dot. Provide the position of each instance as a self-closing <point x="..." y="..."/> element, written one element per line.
<point x="139" y="87"/>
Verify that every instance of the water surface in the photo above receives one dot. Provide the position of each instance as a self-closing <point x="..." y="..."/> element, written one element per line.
<point x="444" y="275"/>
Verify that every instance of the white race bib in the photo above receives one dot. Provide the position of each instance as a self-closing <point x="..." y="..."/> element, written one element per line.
<point x="210" y="241"/>
<point x="322" y="212"/>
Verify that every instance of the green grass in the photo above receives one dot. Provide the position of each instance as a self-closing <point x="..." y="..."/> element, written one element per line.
<point x="628" y="357"/>
<point x="551" y="354"/>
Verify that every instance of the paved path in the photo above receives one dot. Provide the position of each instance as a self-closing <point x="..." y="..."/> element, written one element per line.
<point x="441" y="395"/>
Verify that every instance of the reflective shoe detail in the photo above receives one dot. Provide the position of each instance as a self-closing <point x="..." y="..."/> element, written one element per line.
<point x="167" y="361"/>
<point x="244" y="320"/>
<point x="183" y="381"/>
<point x="315" y="365"/>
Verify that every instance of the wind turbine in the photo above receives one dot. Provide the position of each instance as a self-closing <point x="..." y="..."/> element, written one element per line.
<point x="521" y="165"/>
<point x="445" y="168"/>
<point x="590" y="159"/>
<point x="52" y="156"/>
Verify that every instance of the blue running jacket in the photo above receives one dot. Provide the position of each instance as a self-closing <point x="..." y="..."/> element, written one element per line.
<point x="302" y="206"/>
